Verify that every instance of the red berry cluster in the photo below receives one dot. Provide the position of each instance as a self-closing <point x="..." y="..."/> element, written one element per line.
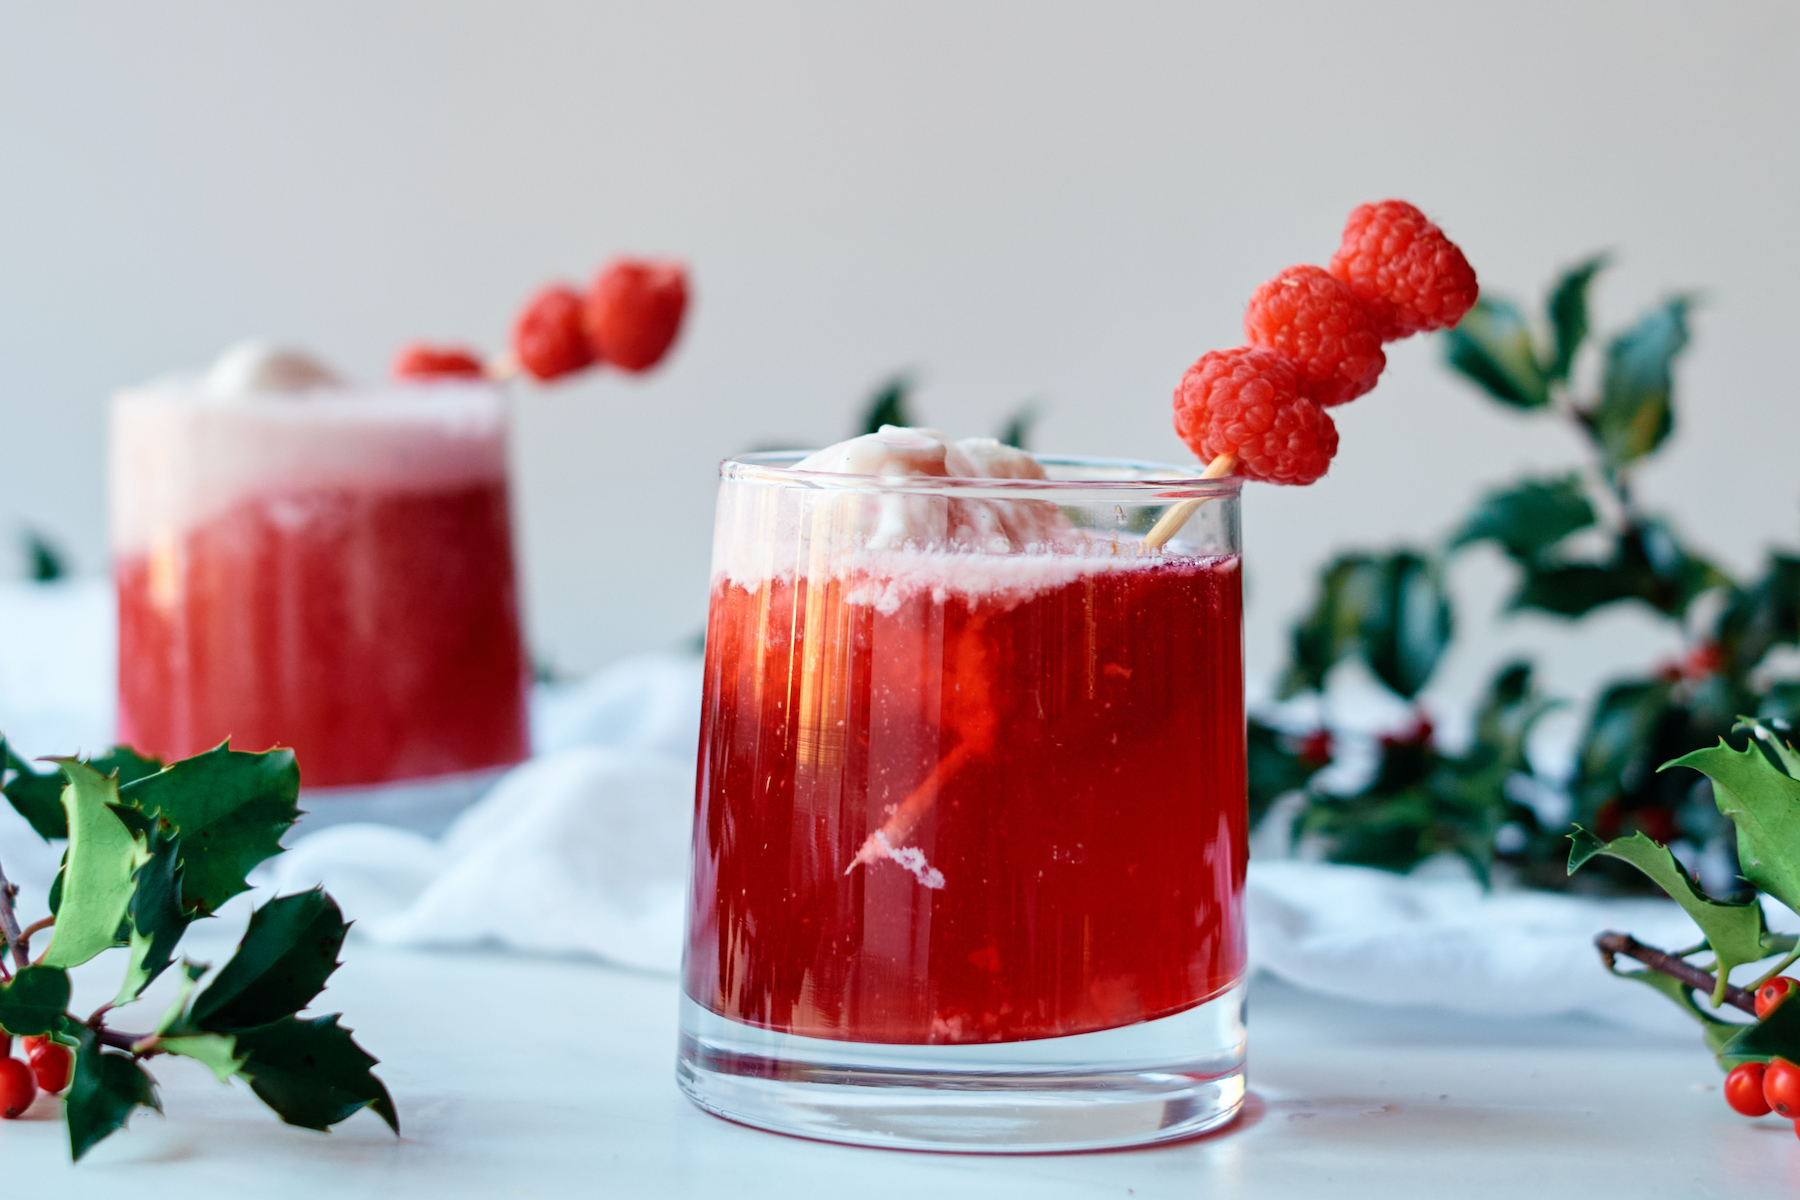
<point x="47" y="1066"/>
<point x="1313" y="340"/>
<point x="628" y="318"/>
<point x="1756" y="1089"/>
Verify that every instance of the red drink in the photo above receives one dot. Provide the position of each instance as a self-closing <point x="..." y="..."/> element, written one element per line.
<point x="332" y="573"/>
<point x="1055" y="749"/>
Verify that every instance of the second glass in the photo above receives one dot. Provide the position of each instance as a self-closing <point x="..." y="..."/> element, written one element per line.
<point x="970" y="842"/>
<point x="330" y="571"/>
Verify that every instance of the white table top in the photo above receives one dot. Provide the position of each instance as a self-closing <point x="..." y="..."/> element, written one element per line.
<point x="526" y="1077"/>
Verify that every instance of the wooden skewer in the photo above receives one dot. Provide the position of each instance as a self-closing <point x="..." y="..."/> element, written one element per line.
<point x="1177" y="516"/>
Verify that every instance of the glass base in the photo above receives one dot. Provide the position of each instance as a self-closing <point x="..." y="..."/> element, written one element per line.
<point x="1153" y="1082"/>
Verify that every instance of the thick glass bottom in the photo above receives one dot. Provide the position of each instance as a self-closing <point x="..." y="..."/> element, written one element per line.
<point x="1153" y="1082"/>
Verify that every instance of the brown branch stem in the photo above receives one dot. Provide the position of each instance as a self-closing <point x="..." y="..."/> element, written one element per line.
<point x="1611" y="944"/>
<point x="9" y="921"/>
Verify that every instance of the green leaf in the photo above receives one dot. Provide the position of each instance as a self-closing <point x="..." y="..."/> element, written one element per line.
<point x="288" y="951"/>
<point x="1635" y="414"/>
<point x="311" y="1072"/>
<point x="1529" y="518"/>
<point x="176" y="1014"/>
<point x="229" y="809"/>
<point x="1775" y="1036"/>
<point x="34" y="1002"/>
<point x="106" y="1088"/>
<point x="1648" y="563"/>
<point x="888" y="405"/>
<point x="1017" y="431"/>
<point x="1492" y="346"/>
<point x="129" y="765"/>
<point x="97" y="881"/>
<point x="1763" y="615"/>
<point x="1568" y="313"/>
<point x="1406" y="629"/>
<point x="44" y="562"/>
<point x="1735" y="932"/>
<point x="1276" y="766"/>
<point x="156" y="914"/>
<point x="1391" y="610"/>
<point x="1764" y="804"/>
<point x="38" y="798"/>
<point x="216" y="1051"/>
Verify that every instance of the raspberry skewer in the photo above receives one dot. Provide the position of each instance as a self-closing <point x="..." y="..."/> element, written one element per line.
<point x="1314" y="342"/>
<point x="628" y="319"/>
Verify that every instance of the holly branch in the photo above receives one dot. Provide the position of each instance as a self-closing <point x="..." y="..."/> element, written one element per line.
<point x="1758" y="790"/>
<point x="151" y="849"/>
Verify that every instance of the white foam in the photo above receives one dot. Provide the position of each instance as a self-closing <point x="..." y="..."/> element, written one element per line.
<point x="185" y="450"/>
<point x="888" y="545"/>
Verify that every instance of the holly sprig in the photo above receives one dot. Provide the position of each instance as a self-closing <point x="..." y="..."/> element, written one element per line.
<point x="152" y="849"/>
<point x="1757" y="789"/>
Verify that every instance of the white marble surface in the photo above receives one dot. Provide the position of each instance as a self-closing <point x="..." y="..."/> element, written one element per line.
<point x="520" y="1076"/>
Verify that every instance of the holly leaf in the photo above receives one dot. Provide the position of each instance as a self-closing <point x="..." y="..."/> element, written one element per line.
<point x="1775" y="1036"/>
<point x="1492" y="345"/>
<point x="229" y="808"/>
<point x="287" y="953"/>
<point x="1634" y="415"/>
<point x="1017" y="431"/>
<point x="1275" y="765"/>
<point x="1764" y="615"/>
<point x="106" y="1088"/>
<point x="157" y="918"/>
<point x="1529" y="518"/>
<point x="311" y="1072"/>
<point x="38" y="798"/>
<point x="1568" y="313"/>
<point x="1764" y="804"/>
<point x="215" y="1051"/>
<point x="1735" y="932"/>
<point x="1391" y="610"/>
<point x="97" y="878"/>
<point x="128" y="764"/>
<point x="34" y="1002"/>
<point x="888" y="405"/>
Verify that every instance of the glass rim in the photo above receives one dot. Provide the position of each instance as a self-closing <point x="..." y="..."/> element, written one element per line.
<point x="1153" y="480"/>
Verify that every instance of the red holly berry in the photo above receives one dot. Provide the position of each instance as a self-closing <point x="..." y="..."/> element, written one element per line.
<point x="548" y="338"/>
<point x="1781" y="1087"/>
<point x="1246" y="402"/>
<point x="52" y="1065"/>
<point x="1315" y="748"/>
<point x="1744" y="1089"/>
<point x="1409" y="275"/>
<point x="1315" y="319"/>
<point x="633" y="311"/>
<point x="17" y="1087"/>
<point x="420" y="361"/>
<point x="1772" y="994"/>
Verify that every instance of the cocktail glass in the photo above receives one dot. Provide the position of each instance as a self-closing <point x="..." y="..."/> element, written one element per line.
<point x="969" y="847"/>
<point x="330" y="571"/>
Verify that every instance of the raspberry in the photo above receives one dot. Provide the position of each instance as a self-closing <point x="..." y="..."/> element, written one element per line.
<point x="1411" y="277"/>
<point x="1246" y="402"/>
<point x="548" y="338"/>
<point x="633" y="312"/>
<point x="419" y="361"/>
<point x="1315" y="319"/>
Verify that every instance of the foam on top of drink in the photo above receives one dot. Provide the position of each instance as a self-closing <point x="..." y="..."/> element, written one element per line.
<point x="889" y="545"/>
<point x="270" y="421"/>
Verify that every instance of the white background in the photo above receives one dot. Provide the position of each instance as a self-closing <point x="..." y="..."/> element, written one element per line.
<point x="1068" y="202"/>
